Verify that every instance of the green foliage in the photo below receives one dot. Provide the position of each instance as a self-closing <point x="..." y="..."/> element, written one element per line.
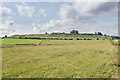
<point x="84" y="38"/>
<point x="54" y="36"/>
<point x="74" y="32"/>
<point x="89" y="39"/>
<point x="78" y="39"/>
<point x="99" y="33"/>
<point x="5" y="36"/>
<point x="97" y="38"/>
<point x="46" y="33"/>
<point x="118" y="42"/>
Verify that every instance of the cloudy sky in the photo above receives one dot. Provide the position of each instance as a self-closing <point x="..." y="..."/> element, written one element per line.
<point x="41" y="17"/>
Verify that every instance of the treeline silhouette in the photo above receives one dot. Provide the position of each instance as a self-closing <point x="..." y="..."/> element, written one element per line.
<point x="56" y="38"/>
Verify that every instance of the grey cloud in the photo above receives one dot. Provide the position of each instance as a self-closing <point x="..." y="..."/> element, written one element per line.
<point x="104" y="8"/>
<point x="81" y="16"/>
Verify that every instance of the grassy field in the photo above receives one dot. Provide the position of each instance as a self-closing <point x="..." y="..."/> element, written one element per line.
<point x="61" y="59"/>
<point x="68" y="36"/>
<point x="18" y="41"/>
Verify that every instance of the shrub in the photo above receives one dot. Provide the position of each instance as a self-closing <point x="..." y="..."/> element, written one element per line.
<point x="84" y="38"/>
<point x="61" y="39"/>
<point x="71" y="39"/>
<point x="56" y="39"/>
<point x="118" y="42"/>
<point x="65" y="39"/>
<point x="97" y="38"/>
<point x="89" y="39"/>
<point x="5" y="36"/>
<point x="78" y="39"/>
<point x="52" y="38"/>
<point x="14" y="37"/>
<point x="29" y="37"/>
<point x="20" y="37"/>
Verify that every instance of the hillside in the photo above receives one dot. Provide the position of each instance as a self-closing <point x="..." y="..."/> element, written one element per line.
<point x="58" y="36"/>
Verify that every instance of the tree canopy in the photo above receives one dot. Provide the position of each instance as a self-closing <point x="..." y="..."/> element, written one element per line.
<point x="74" y="32"/>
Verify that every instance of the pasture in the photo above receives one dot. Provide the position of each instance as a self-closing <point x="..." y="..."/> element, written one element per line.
<point x="60" y="59"/>
<point x="8" y="42"/>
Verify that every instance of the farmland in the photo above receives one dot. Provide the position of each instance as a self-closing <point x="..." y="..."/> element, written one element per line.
<point x="58" y="36"/>
<point x="6" y="42"/>
<point x="60" y="59"/>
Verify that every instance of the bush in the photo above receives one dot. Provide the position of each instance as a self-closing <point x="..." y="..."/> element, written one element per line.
<point x="97" y="38"/>
<point x="52" y="38"/>
<point x="20" y="37"/>
<point x="13" y="37"/>
<point x="89" y="39"/>
<point x="29" y="37"/>
<point x="84" y="38"/>
<point x="118" y="42"/>
<point x="61" y="39"/>
<point x="78" y="39"/>
<point x="71" y="39"/>
<point x="65" y="39"/>
<point x="57" y="38"/>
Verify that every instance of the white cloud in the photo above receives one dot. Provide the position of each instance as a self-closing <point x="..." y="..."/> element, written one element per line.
<point x="87" y="11"/>
<point x="24" y="10"/>
<point x="109" y="28"/>
<point x="8" y="27"/>
<point x="30" y="11"/>
<point x="35" y="29"/>
<point x="43" y="12"/>
<point x="79" y="16"/>
<point x="5" y="12"/>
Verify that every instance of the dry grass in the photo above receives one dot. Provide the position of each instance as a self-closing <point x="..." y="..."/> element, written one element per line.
<point x="61" y="59"/>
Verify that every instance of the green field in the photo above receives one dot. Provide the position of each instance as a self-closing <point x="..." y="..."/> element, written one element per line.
<point x="60" y="59"/>
<point x="18" y="41"/>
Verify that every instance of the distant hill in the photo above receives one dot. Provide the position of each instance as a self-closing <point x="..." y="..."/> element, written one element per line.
<point x="58" y="36"/>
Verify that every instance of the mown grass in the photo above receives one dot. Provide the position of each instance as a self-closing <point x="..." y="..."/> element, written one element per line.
<point x="61" y="59"/>
<point x="19" y="41"/>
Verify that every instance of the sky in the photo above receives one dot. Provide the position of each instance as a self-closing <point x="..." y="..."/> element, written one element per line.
<point x="40" y="17"/>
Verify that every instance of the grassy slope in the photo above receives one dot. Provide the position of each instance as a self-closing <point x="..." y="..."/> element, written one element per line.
<point x="78" y="59"/>
<point x="59" y="36"/>
<point x="19" y="41"/>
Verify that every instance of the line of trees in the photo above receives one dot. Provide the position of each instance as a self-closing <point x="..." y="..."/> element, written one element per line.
<point x="56" y="38"/>
<point x="75" y="32"/>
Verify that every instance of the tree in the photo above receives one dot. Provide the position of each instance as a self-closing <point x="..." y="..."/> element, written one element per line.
<point x="5" y="36"/>
<point x="97" y="38"/>
<point x="95" y="33"/>
<point x="20" y="37"/>
<point x="46" y="33"/>
<point x="105" y="34"/>
<point x="74" y="32"/>
<point x="78" y="39"/>
<point x="99" y="33"/>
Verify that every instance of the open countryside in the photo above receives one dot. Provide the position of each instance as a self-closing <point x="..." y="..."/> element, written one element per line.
<point x="69" y="56"/>
<point x="60" y="39"/>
